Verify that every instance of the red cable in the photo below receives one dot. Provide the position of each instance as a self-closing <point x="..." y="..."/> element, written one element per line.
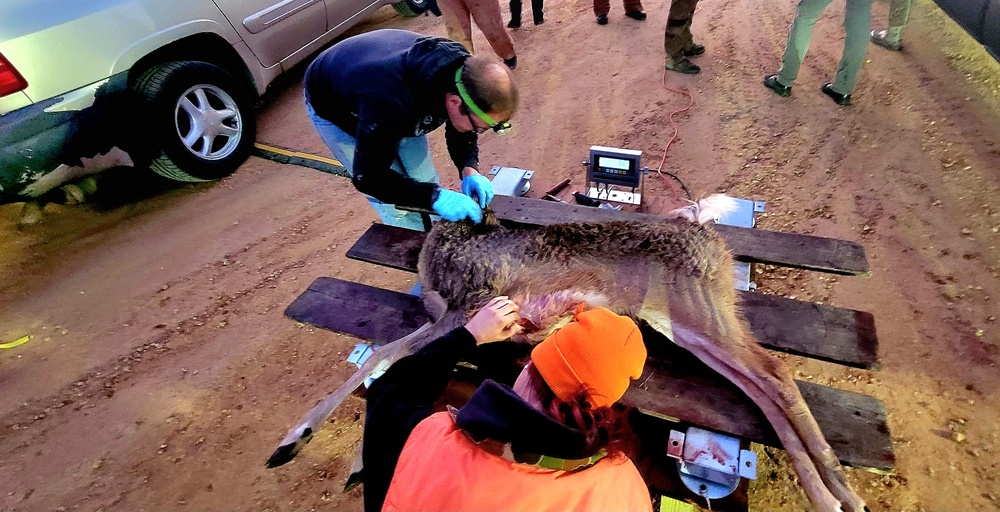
<point x="659" y="169"/>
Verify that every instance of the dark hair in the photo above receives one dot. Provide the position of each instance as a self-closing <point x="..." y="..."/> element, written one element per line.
<point x="602" y="427"/>
<point x="490" y="85"/>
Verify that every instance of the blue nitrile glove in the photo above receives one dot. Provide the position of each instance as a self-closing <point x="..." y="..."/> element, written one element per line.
<point x="476" y="185"/>
<point x="453" y="206"/>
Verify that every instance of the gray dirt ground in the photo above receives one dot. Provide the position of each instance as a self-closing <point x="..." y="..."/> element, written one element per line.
<point x="162" y="373"/>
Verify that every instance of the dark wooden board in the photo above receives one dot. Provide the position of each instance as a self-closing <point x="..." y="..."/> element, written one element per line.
<point x="833" y="334"/>
<point x="837" y="335"/>
<point x="389" y="246"/>
<point x="678" y="386"/>
<point x="360" y="310"/>
<point x="747" y="244"/>
<point x="674" y="385"/>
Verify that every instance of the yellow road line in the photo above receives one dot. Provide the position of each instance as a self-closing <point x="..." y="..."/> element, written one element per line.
<point x="297" y="154"/>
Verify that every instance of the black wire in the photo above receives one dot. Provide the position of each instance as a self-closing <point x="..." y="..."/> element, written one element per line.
<point x="678" y="180"/>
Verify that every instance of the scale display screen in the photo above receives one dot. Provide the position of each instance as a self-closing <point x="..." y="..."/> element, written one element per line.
<point x="610" y="164"/>
<point x="613" y="166"/>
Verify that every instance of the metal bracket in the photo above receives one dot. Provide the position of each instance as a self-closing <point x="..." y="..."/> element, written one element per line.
<point x="710" y="464"/>
<point x="360" y="354"/>
<point x="744" y="216"/>
<point x="511" y="181"/>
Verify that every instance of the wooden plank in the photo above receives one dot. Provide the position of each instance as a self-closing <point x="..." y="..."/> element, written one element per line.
<point x="833" y="334"/>
<point x="675" y="384"/>
<point x="359" y="310"/>
<point x="747" y="244"/>
<point x="389" y="246"/>
<point x="837" y="335"/>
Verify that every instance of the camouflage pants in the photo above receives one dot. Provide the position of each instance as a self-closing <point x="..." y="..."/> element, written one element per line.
<point x="677" y="36"/>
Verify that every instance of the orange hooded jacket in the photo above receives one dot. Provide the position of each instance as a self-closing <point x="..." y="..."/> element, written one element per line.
<point x="441" y="469"/>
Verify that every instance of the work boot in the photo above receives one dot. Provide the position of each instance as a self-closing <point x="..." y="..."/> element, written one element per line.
<point x="515" y="23"/>
<point x="602" y="19"/>
<point x="771" y="82"/>
<point x="695" y="50"/>
<point x="539" y="20"/>
<point x="636" y="15"/>
<point x="682" y="66"/>
<point x="839" y="99"/>
<point x="885" y="39"/>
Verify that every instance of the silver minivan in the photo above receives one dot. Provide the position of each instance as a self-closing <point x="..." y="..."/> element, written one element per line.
<point x="87" y="85"/>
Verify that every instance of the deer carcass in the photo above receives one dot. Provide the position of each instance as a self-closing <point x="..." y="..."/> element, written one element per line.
<point x="677" y="276"/>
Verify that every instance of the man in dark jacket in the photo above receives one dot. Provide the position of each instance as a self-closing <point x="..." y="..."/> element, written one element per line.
<point x="373" y="98"/>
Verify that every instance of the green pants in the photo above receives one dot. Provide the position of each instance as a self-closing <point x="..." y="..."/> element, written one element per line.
<point x="857" y="24"/>
<point x="899" y="12"/>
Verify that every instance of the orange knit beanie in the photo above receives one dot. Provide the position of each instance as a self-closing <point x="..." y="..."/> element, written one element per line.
<point x="598" y="352"/>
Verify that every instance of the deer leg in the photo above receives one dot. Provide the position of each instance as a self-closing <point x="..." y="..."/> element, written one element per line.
<point x="301" y="434"/>
<point x="820" y="496"/>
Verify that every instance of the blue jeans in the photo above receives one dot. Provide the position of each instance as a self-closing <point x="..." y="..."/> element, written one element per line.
<point x="413" y="159"/>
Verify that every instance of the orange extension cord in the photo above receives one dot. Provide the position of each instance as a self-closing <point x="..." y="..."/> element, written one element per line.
<point x="659" y="170"/>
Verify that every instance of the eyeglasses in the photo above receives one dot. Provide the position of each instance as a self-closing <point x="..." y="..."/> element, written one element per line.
<point x="498" y="127"/>
<point x="475" y="128"/>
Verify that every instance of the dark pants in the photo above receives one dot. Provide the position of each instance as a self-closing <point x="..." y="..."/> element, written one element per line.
<point x="677" y="36"/>
<point x="536" y="10"/>
<point x="603" y="7"/>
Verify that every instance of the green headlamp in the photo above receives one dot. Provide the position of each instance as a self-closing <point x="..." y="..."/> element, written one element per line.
<point x="499" y="128"/>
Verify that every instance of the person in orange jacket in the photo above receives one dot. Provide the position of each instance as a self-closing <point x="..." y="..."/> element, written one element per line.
<point x="547" y="443"/>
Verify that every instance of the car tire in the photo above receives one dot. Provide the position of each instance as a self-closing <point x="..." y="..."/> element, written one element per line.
<point x="411" y="8"/>
<point x="200" y="117"/>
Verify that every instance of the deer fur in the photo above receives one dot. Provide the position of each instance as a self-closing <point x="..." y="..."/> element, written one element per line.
<point x="677" y="276"/>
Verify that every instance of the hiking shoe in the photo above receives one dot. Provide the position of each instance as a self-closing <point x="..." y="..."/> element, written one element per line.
<point x="695" y="50"/>
<point x="771" y="82"/>
<point x="515" y="24"/>
<point x="511" y="62"/>
<point x="602" y="19"/>
<point x="839" y="99"/>
<point x="683" y="66"/>
<point x="636" y="15"/>
<point x="881" y="38"/>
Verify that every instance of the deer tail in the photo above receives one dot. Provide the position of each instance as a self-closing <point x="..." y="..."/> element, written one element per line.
<point x="708" y="209"/>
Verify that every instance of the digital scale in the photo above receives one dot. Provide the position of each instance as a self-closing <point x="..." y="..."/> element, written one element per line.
<point x="614" y="174"/>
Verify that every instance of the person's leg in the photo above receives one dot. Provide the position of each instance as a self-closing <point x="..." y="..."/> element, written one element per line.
<point x="415" y="161"/>
<point x="488" y="18"/>
<point x="677" y="36"/>
<point x="457" y="22"/>
<point x="899" y="13"/>
<point x="857" y="21"/>
<point x="799" y="35"/>
<point x="892" y="37"/>
<point x="343" y="144"/>
<point x="633" y="8"/>
<point x="536" y="12"/>
<point x="515" y="14"/>
<point x="334" y="138"/>
<point x="602" y="8"/>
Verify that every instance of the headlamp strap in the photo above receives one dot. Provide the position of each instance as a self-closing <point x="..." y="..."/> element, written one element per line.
<point x="464" y="94"/>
